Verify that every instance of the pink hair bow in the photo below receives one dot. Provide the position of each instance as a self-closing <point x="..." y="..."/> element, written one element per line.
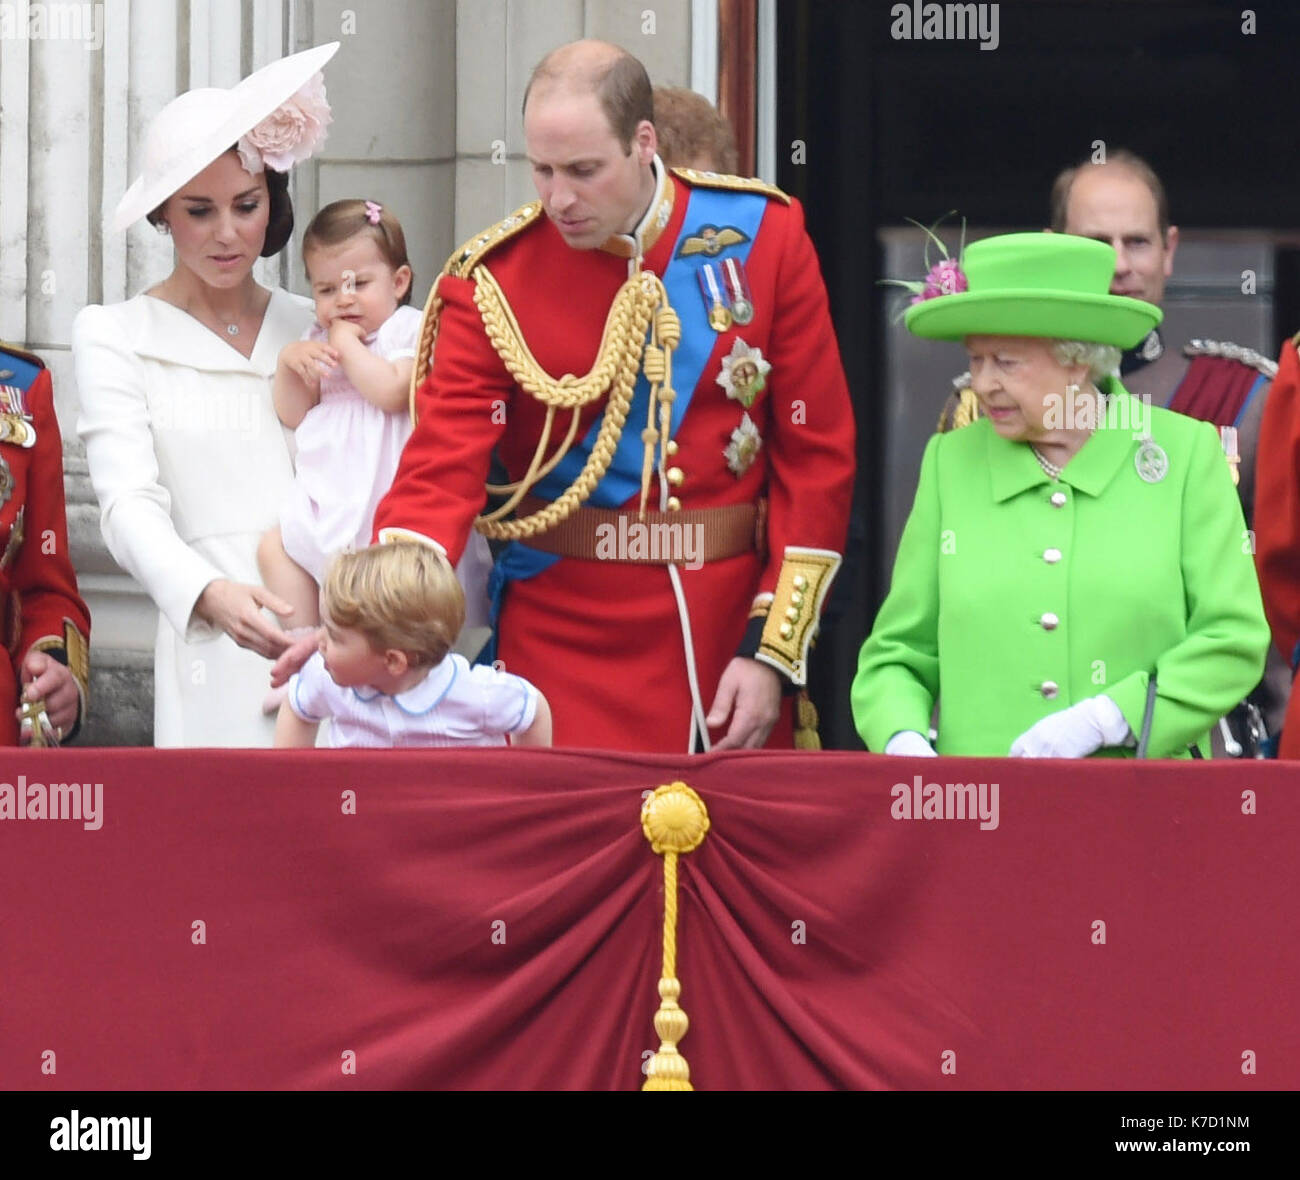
<point x="373" y="211"/>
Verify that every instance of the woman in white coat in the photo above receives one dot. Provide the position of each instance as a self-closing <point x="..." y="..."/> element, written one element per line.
<point x="186" y="455"/>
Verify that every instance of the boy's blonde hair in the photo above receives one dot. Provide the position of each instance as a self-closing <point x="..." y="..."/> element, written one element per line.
<point x="402" y="595"/>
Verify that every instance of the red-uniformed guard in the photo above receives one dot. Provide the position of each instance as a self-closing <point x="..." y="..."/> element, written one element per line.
<point x="46" y="624"/>
<point x="668" y="334"/>
<point x="1277" y="524"/>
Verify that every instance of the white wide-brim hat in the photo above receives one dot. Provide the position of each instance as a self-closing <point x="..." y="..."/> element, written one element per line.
<point x="196" y="127"/>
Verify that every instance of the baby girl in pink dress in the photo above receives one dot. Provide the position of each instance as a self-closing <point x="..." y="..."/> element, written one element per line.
<point x="345" y="391"/>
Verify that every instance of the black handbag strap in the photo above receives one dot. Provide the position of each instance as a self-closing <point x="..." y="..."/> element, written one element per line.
<point x="1144" y="739"/>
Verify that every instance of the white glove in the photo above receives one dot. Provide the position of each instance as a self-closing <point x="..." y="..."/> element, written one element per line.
<point x="910" y="744"/>
<point x="1074" y="732"/>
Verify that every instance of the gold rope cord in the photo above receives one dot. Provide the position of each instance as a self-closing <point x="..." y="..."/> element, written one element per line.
<point x="640" y="302"/>
<point x="506" y="489"/>
<point x="424" y="346"/>
<point x="675" y="821"/>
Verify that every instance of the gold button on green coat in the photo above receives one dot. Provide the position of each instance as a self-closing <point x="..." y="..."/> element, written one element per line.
<point x="1148" y="578"/>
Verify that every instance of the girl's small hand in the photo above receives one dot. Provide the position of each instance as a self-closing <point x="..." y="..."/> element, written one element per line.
<point x="310" y="360"/>
<point x="341" y="331"/>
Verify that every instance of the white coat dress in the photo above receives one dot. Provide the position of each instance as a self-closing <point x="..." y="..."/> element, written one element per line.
<point x="191" y="466"/>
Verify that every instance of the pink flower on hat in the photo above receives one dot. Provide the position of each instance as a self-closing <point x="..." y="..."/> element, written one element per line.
<point x="289" y="134"/>
<point x="945" y="278"/>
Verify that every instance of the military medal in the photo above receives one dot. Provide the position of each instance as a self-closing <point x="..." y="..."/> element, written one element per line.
<point x="1228" y="436"/>
<point x="742" y="306"/>
<point x="14" y="430"/>
<point x="15" y="422"/>
<point x="1151" y="461"/>
<point x="744" y="373"/>
<point x="744" y="446"/>
<point x="714" y="299"/>
<point x="6" y="482"/>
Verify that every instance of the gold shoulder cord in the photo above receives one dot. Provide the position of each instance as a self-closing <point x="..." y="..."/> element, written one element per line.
<point x="640" y="304"/>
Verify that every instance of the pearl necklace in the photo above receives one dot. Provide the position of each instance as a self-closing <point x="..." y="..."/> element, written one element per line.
<point x="1052" y="469"/>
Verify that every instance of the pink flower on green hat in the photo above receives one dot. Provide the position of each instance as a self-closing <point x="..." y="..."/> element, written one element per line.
<point x="290" y="133"/>
<point x="945" y="278"/>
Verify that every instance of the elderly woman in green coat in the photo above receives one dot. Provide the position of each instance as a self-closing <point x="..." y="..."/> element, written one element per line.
<point x="1076" y="567"/>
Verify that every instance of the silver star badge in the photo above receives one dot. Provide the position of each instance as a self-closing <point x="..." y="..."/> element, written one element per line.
<point x="744" y="446"/>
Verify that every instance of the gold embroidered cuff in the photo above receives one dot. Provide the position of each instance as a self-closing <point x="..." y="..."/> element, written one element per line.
<point x="73" y="650"/>
<point x="801" y="588"/>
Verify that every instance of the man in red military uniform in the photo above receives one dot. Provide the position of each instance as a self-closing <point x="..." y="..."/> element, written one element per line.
<point x="46" y="624"/>
<point x="732" y="427"/>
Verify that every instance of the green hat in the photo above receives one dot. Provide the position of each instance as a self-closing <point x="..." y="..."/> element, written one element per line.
<point x="1052" y="285"/>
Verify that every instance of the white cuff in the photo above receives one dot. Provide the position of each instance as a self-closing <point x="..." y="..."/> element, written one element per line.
<point x="910" y="744"/>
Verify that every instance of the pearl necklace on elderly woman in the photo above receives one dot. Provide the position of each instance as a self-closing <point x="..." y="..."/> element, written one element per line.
<point x="1053" y="470"/>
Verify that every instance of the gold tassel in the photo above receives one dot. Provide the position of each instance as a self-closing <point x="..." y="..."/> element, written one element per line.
<point x="806" y="723"/>
<point x="675" y="821"/>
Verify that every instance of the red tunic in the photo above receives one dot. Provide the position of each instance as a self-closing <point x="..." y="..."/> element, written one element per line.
<point x="603" y="640"/>
<point x="1277" y="523"/>
<point x="38" y="586"/>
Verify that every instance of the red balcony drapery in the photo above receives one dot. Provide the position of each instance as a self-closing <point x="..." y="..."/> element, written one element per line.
<point x="493" y="919"/>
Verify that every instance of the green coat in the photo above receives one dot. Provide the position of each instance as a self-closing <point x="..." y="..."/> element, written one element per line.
<point x="1006" y="607"/>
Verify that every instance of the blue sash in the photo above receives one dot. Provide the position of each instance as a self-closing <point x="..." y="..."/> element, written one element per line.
<point x="704" y="207"/>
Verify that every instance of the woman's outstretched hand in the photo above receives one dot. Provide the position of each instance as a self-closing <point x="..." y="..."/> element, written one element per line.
<point x="237" y="609"/>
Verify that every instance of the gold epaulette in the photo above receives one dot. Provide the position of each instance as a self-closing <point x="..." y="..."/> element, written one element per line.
<point x="962" y="407"/>
<point x="1232" y="352"/>
<point x="22" y="354"/>
<point x="742" y="184"/>
<point x="1295" y="340"/>
<point x="470" y="253"/>
<point x="459" y="266"/>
